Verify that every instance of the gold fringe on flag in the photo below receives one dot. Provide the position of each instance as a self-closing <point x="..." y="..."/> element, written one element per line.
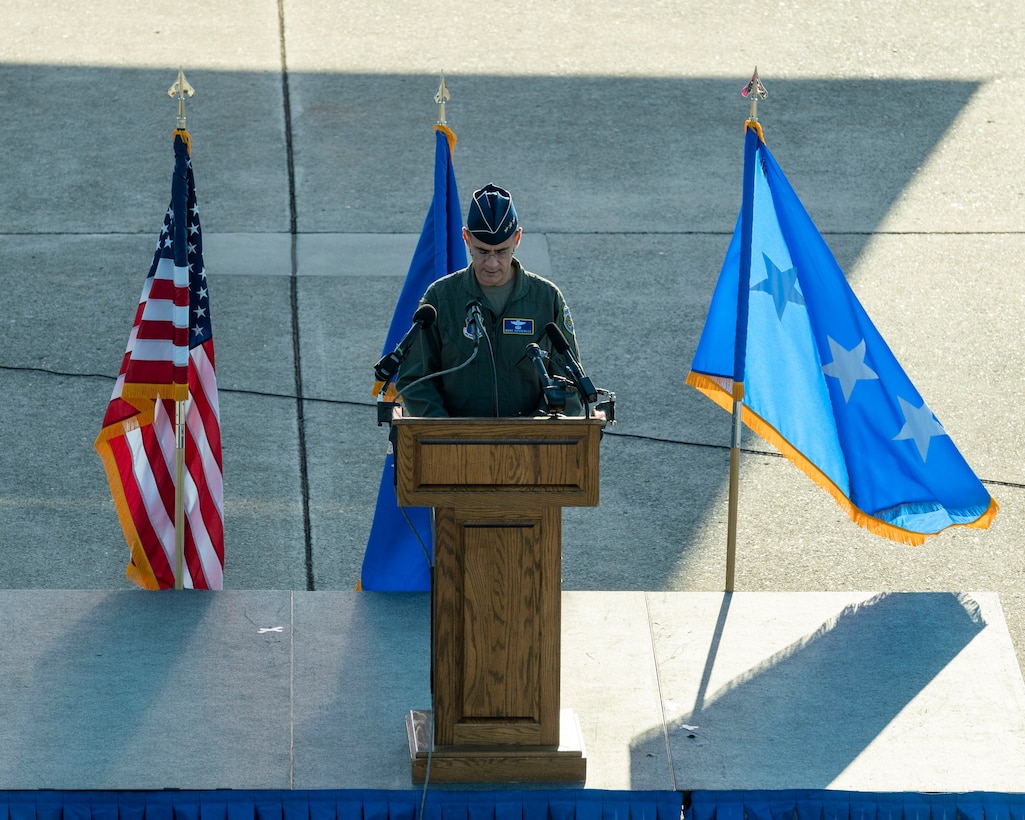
<point x="186" y="138"/>
<point x="721" y="395"/>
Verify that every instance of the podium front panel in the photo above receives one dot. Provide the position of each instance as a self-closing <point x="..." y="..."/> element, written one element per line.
<point x="497" y="463"/>
<point x="497" y="622"/>
<point x="501" y="619"/>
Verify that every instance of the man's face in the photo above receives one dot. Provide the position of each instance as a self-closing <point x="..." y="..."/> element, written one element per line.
<point x="492" y="264"/>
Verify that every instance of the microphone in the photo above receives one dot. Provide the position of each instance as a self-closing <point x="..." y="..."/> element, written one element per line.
<point x="576" y="372"/>
<point x="555" y="396"/>
<point x="388" y="365"/>
<point x="473" y="314"/>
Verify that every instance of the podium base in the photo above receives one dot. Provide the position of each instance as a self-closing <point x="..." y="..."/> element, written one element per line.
<point x="565" y="763"/>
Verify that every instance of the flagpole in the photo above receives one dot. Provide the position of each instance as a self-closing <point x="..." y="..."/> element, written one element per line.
<point x="179" y="497"/>
<point x="731" y="527"/>
<point x="180" y="88"/>
<point x="755" y="90"/>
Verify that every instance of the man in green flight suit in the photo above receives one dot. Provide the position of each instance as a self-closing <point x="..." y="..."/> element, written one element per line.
<point x="514" y="307"/>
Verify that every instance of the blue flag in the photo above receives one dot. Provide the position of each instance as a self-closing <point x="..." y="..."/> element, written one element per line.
<point x="399" y="552"/>
<point x="787" y="337"/>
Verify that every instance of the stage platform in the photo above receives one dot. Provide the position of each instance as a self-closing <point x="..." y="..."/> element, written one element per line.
<point x="911" y="692"/>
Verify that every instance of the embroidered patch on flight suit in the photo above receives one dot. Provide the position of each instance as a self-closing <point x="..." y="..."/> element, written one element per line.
<point x="568" y="320"/>
<point x="470" y="330"/>
<point x="520" y="327"/>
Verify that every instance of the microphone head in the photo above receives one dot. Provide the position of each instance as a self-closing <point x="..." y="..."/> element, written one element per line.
<point x="425" y="315"/>
<point x="555" y="335"/>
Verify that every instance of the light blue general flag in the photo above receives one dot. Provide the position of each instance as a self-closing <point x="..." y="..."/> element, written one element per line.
<point x="399" y="551"/>
<point x="786" y="335"/>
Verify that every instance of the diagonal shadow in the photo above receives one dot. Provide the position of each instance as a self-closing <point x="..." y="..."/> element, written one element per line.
<point x="108" y="688"/>
<point x="800" y="717"/>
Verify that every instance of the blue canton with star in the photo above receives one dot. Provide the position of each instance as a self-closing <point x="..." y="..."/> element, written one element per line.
<point x="181" y="240"/>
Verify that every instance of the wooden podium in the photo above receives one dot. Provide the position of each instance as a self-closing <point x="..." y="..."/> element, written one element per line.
<point x="497" y="487"/>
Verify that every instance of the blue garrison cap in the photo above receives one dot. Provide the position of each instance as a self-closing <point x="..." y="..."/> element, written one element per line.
<point x="492" y="216"/>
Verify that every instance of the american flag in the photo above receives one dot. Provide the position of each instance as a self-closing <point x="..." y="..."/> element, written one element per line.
<point x="170" y="357"/>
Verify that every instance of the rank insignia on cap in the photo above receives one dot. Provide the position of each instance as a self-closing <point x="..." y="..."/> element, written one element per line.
<point x="519" y="327"/>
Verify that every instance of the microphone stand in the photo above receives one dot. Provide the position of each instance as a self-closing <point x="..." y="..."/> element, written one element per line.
<point x="555" y="395"/>
<point x="385" y="407"/>
<point x="606" y="405"/>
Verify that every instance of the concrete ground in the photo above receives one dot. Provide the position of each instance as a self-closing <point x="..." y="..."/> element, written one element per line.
<point x="679" y="691"/>
<point x="618" y="129"/>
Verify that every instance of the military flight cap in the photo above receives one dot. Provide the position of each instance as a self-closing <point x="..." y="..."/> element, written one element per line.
<point x="492" y="215"/>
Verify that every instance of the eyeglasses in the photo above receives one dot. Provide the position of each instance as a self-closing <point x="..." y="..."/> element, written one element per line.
<point x="501" y="253"/>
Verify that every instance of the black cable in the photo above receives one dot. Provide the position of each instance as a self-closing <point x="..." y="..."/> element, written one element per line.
<point x="412" y="529"/>
<point x="494" y="370"/>
<point x="607" y="433"/>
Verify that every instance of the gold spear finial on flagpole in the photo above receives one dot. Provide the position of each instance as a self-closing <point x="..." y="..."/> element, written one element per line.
<point x="180" y="88"/>
<point x="756" y="91"/>
<point x="441" y="98"/>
